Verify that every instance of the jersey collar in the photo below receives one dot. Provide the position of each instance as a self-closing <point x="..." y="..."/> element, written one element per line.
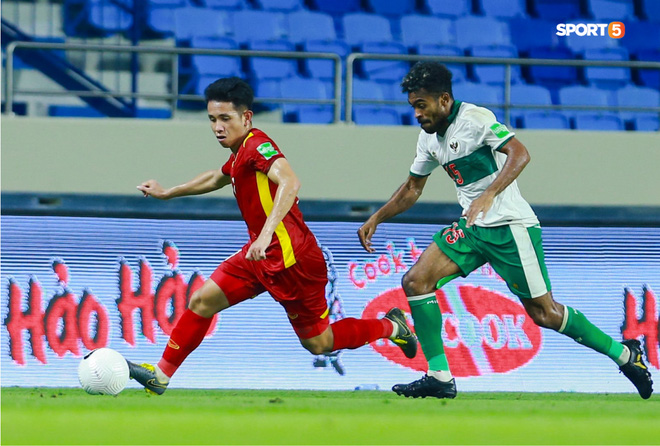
<point x="452" y="115"/>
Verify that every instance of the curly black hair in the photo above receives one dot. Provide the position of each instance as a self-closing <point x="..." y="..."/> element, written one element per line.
<point x="230" y="89"/>
<point x="431" y="76"/>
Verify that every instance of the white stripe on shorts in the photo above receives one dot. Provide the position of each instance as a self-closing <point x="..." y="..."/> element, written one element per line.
<point x="530" y="262"/>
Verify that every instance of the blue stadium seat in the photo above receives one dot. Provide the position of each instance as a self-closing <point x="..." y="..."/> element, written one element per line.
<point x="384" y="70"/>
<point x="584" y="96"/>
<point x="607" y="77"/>
<point x="482" y="95"/>
<point x="224" y="4"/>
<point x="641" y="36"/>
<point x="471" y="31"/>
<point x="522" y="94"/>
<point x="459" y="71"/>
<point x="647" y="77"/>
<point x="250" y="26"/>
<point x="160" y="20"/>
<point x="280" y="5"/>
<point x="336" y="7"/>
<point x="107" y="17"/>
<point x="578" y="44"/>
<point x="392" y="92"/>
<point x="376" y="116"/>
<point x="192" y="22"/>
<point x="272" y="67"/>
<point x="552" y="76"/>
<point x="320" y="68"/>
<point x="391" y="8"/>
<point x="650" y="10"/>
<point x="426" y="30"/>
<point x="506" y="9"/>
<point x="494" y="74"/>
<point x="621" y="10"/>
<point x="633" y="96"/>
<point x="366" y="90"/>
<point x="267" y="89"/>
<point x="301" y="88"/>
<point x="605" y="121"/>
<point x="213" y="66"/>
<point x="361" y="27"/>
<point x="560" y="10"/>
<point x="304" y="26"/>
<point x="453" y="9"/>
<point x="533" y="33"/>
<point x="646" y="124"/>
<point x="545" y="120"/>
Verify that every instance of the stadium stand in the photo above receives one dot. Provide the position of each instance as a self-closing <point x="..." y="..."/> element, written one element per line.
<point x="417" y="30"/>
<point x="454" y="9"/>
<point x="545" y="120"/>
<point x="336" y="7"/>
<point x="507" y="9"/>
<point x="522" y="94"/>
<point x="296" y="87"/>
<point x="633" y="96"/>
<point x="612" y="9"/>
<point x="472" y="31"/>
<point x="391" y="8"/>
<point x="607" y="77"/>
<point x="459" y="71"/>
<point x="557" y="10"/>
<point x="481" y="94"/>
<point x="598" y="122"/>
<point x="495" y="74"/>
<point x="360" y="27"/>
<point x="382" y="70"/>
<point x="280" y="5"/>
<point x="250" y="26"/>
<point x="271" y="67"/>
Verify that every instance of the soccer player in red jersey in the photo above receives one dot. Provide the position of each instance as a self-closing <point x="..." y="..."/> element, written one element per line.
<point x="281" y="257"/>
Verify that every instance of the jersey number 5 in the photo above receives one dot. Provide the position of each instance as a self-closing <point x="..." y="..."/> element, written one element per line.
<point x="453" y="173"/>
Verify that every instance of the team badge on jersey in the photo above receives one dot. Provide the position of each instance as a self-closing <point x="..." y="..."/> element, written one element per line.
<point x="267" y="150"/>
<point x="500" y="130"/>
<point x="454" y="146"/>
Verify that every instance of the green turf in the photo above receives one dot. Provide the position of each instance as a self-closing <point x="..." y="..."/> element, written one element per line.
<point x="69" y="416"/>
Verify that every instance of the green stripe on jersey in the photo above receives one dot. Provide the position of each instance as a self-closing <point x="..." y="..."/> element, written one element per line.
<point x="472" y="168"/>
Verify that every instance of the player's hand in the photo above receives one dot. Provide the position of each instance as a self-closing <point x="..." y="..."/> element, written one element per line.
<point x="257" y="250"/>
<point x="366" y="231"/>
<point x="480" y="205"/>
<point x="152" y="188"/>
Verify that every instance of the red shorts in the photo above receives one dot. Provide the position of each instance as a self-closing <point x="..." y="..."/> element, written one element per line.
<point x="300" y="289"/>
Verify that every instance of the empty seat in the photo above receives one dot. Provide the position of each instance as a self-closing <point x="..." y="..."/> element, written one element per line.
<point x="444" y="8"/>
<point x="607" y="77"/>
<point x="280" y="5"/>
<point x="583" y="96"/>
<point x="385" y="70"/>
<point x="392" y="92"/>
<point x="561" y="10"/>
<point x="219" y="66"/>
<point x="391" y="8"/>
<point x="472" y="31"/>
<point x="304" y="26"/>
<point x="107" y="17"/>
<point x="301" y="88"/>
<point x="160" y="20"/>
<point x="366" y="90"/>
<point x="605" y="121"/>
<point x="646" y="124"/>
<point x="649" y="77"/>
<point x="426" y="30"/>
<point x="322" y="68"/>
<point x="272" y="67"/>
<point x="376" y="116"/>
<point x="192" y="22"/>
<point x="533" y="33"/>
<point x="503" y="8"/>
<point x="224" y="4"/>
<point x="641" y="36"/>
<point x="552" y="76"/>
<point x="336" y="7"/>
<point x="252" y="26"/>
<point x="612" y="9"/>
<point x="545" y="120"/>
<point x="651" y="10"/>
<point x="633" y="96"/>
<point x="495" y="74"/>
<point x="361" y="27"/>
<point x="522" y="94"/>
<point x="482" y="95"/>
<point x="265" y="90"/>
<point x="459" y="71"/>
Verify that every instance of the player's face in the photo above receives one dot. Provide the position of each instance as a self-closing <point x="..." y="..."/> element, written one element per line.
<point x="229" y="125"/>
<point x="431" y="112"/>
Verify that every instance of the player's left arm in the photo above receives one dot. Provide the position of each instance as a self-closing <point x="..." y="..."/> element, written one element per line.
<point x="517" y="158"/>
<point x="288" y="185"/>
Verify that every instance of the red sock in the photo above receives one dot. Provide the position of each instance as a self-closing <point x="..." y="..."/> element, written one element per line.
<point x="188" y="333"/>
<point x="354" y="333"/>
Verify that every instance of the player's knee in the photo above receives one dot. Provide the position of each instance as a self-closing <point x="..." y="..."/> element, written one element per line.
<point x="413" y="285"/>
<point x="203" y="305"/>
<point x="544" y="318"/>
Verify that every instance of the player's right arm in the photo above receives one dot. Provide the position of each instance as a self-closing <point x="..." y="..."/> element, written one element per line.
<point x="203" y="183"/>
<point x="402" y="200"/>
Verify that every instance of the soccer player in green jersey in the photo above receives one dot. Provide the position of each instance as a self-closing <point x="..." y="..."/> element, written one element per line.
<point x="483" y="158"/>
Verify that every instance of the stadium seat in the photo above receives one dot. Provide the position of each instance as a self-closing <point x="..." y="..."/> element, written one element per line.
<point x="552" y="76"/>
<point x="336" y="7"/>
<point x="322" y="68"/>
<point x="605" y="121"/>
<point x="495" y="74"/>
<point x="426" y="30"/>
<point x="506" y="9"/>
<point x="267" y="89"/>
<point x="192" y="22"/>
<point x="646" y="124"/>
<point x="459" y="71"/>
<point x="578" y="44"/>
<point x="366" y="90"/>
<point x="557" y="10"/>
<point x="209" y="65"/>
<point x="472" y="31"/>
<point x="633" y="96"/>
<point x="482" y="95"/>
<point x="301" y="88"/>
<point x="160" y="20"/>
<point x="607" y="77"/>
<point x="545" y="120"/>
<point x="272" y="67"/>
<point x="641" y="36"/>
<point x="392" y="92"/>
<point x="304" y="26"/>
<point x="648" y="77"/>
<point x="621" y="10"/>
<point x="360" y="28"/>
<point x="522" y="94"/>
<point x="376" y="116"/>
<point x="96" y="17"/>
<point x="384" y="70"/>
<point x="280" y="5"/>
<point x="533" y="33"/>
<point x="252" y="26"/>
<point x="583" y="96"/>
<point x="391" y="8"/>
<point x="651" y="10"/>
<point x="223" y="4"/>
<point x="453" y="9"/>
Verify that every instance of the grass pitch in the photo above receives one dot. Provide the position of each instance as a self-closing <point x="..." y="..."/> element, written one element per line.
<point x="70" y="416"/>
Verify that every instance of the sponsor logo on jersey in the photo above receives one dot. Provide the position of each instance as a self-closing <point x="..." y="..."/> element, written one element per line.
<point x="454" y="147"/>
<point x="172" y="344"/>
<point x="484" y="332"/>
<point x="267" y="150"/>
<point x="500" y="130"/>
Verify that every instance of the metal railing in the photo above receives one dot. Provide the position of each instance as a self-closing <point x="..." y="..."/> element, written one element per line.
<point x="173" y="97"/>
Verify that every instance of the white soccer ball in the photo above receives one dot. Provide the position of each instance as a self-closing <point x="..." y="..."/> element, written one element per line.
<point x="103" y="371"/>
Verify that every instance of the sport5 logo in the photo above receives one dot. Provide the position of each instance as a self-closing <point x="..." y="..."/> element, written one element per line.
<point x="483" y="331"/>
<point x="615" y="30"/>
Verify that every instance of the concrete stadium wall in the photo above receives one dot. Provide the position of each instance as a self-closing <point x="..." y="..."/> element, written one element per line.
<point x="340" y="162"/>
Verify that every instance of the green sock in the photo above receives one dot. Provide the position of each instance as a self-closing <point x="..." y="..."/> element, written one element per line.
<point x="578" y="327"/>
<point x="428" y="327"/>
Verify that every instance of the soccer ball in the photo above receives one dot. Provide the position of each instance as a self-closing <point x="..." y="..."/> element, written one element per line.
<point x="103" y="371"/>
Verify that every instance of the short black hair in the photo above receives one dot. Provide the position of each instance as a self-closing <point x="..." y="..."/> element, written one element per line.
<point x="431" y="76"/>
<point x="230" y="89"/>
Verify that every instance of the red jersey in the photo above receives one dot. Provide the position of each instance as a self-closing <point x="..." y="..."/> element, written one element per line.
<point x="255" y="193"/>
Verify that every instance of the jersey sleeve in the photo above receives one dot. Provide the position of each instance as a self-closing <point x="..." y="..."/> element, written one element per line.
<point x="424" y="161"/>
<point x="488" y="131"/>
<point x="226" y="167"/>
<point x="263" y="153"/>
